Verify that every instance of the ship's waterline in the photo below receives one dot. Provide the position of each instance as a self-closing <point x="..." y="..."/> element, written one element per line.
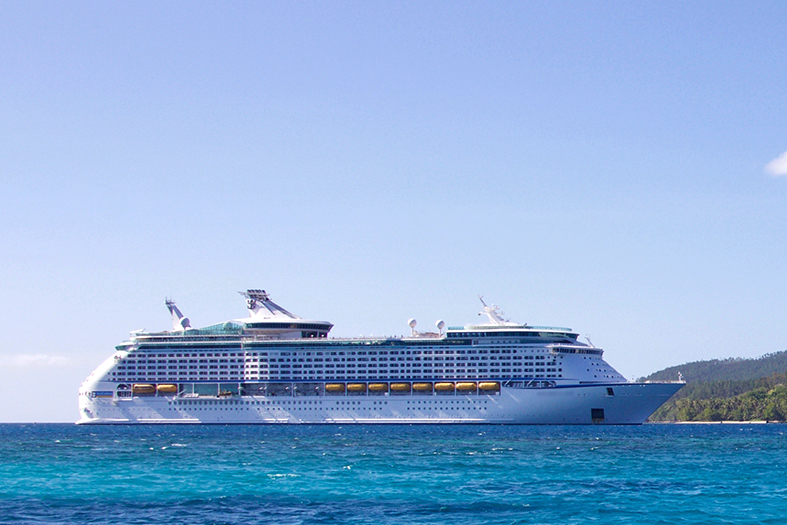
<point x="275" y="367"/>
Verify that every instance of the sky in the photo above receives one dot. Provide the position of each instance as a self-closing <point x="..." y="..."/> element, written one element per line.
<point x="615" y="167"/>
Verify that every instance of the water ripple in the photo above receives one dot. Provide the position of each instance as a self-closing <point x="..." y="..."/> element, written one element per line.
<point x="63" y="474"/>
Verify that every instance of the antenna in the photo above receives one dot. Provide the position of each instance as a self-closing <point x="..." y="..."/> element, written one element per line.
<point x="587" y="336"/>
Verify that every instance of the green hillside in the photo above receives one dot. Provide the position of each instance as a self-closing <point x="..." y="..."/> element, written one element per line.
<point x="733" y="369"/>
<point x="728" y="389"/>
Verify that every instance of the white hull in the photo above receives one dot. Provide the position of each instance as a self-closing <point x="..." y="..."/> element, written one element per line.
<point x="629" y="404"/>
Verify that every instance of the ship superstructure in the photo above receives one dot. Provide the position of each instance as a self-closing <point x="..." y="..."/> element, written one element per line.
<point x="275" y="367"/>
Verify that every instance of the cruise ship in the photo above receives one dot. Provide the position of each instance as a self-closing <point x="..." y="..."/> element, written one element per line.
<point x="276" y="367"/>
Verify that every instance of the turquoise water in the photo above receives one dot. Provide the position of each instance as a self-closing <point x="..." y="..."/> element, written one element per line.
<point x="393" y="474"/>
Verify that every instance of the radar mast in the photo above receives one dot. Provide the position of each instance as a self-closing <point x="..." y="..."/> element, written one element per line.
<point x="494" y="314"/>
<point x="260" y="305"/>
<point x="180" y="323"/>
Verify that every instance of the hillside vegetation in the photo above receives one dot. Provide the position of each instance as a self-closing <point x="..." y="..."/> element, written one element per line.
<point x="727" y="390"/>
<point x="733" y="369"/>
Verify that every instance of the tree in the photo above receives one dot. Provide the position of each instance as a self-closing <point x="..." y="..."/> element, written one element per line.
<point x="772" y="413"/>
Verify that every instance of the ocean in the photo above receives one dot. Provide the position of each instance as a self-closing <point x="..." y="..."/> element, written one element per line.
<point x="463" y="475"/>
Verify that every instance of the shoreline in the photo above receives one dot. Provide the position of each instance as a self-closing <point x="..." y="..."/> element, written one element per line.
<point x="755" y="422"/>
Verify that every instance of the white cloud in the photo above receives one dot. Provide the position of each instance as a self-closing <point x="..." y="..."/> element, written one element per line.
<point x="34" y="361"/>
<point x="778" y="166"/>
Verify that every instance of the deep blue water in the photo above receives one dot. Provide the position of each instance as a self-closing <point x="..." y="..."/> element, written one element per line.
<point x="393" y="474"/>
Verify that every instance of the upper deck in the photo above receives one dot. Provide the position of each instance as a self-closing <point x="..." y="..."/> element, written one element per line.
<point x="269" y="325"/>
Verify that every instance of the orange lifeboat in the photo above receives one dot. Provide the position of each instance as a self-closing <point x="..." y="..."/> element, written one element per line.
<point x="466" y="386"/>
<point x="143" y="389"/>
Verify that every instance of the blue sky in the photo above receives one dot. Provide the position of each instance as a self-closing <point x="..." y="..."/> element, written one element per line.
<point x="594" y="165"/>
